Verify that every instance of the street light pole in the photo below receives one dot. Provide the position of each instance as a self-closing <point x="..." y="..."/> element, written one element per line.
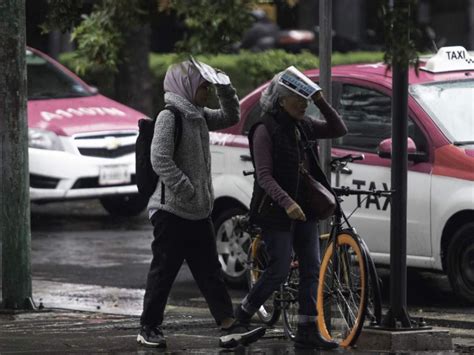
<point x="14" y="181"/>
<point x="397" y="315"/>
<point x="388" y="335"/>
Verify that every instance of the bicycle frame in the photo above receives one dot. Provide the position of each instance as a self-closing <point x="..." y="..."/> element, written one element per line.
<point x="346" y="251"/>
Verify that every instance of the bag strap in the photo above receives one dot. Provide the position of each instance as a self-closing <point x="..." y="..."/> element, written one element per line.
<point x="310" y="147"/>
<point x="324" y="179"/>
<point x="178" y="125"/>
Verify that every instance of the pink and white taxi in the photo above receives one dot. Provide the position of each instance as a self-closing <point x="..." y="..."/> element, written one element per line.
<point x="81" y="144"/>
<point x="440" y="169"/>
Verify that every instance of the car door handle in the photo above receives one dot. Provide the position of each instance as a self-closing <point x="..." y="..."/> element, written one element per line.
<point x="245" y="157"/>
<point x="344" y="170"/>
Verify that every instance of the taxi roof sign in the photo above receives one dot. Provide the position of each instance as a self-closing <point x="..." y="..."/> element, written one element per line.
<point x="454" y="58"/>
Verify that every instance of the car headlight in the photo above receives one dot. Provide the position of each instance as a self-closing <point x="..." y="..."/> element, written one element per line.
<point x="42" y="139"/>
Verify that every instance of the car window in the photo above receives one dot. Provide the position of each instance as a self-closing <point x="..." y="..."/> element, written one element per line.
<point x="367" y="115"/>
<point x="450" y="105"/>
<point x="46" y="81"/>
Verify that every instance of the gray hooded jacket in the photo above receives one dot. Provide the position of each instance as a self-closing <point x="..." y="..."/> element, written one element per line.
<point x="185" y="184"/>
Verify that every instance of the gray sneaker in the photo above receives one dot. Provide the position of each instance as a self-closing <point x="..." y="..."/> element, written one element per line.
<point x="240" y="334"/>
<point x="152" y="337"/>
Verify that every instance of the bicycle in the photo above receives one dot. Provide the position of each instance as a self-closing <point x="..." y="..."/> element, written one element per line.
<point x="347" y="273"/>
<point x="348" y="290"/>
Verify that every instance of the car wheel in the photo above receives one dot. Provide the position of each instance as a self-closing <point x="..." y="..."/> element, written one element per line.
<point x="232" y="245"/>
<point x="461" y="262"/>
<point x="124" y="205"/>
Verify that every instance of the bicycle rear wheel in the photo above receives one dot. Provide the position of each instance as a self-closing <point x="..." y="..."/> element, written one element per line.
<point x="342" y="290"/>
<point x="289" y="302"/>
<point x="257" y="256"/>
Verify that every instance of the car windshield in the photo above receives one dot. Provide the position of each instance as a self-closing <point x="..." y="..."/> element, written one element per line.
<point x="451" y="105"/>
<point x="46" y="81"/>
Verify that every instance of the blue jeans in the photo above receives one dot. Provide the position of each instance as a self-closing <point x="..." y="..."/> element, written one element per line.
<point x="304" y="240"/>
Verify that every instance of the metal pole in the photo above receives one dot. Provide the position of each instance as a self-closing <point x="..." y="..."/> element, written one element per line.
<point x="397" y="315"/>
<point x="14" y="179"/>
<point x="325" y="51"/>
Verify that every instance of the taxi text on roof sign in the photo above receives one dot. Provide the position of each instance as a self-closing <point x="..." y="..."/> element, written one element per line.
<point x="448" y="59"/>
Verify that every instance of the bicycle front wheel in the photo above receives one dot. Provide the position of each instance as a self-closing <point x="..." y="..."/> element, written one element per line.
<point x="268" y="312"/>
<point x="342" y="291"/>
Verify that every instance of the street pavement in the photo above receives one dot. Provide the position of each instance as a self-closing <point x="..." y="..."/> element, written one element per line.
<point x="89" y="272"/>
<point x="103" y="326"/>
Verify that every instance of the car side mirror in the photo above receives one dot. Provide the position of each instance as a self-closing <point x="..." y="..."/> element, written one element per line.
<point x="93" y="89"/>
<point x="385" y="151"/>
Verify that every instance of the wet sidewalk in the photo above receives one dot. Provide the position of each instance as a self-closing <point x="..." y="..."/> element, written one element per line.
<point x="189" y="330"/>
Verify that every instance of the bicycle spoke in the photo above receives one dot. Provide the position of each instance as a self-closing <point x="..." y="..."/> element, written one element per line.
<point x="290" y="303"/>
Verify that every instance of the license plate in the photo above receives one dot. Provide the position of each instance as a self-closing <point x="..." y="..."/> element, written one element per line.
<point x="114" y="175"/>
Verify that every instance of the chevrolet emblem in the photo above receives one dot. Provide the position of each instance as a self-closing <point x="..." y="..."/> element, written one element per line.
<point x="111" y="143"/>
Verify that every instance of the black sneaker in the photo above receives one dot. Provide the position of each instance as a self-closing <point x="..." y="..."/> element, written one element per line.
<point x="240" y="334"/>
<point x="308" y="337"/>
<point x="241" y="316"/>
<point x="152" y="337"/>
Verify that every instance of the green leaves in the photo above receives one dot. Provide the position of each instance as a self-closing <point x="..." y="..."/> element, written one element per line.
<point x="98" y="43"/>
<point x="263" y="66"/>
<point x="400" y="33"/>
<point x="214" y="25"/>
<point x="247" y="70"/>
<point x="100" y="35"/>
<point x="62" y="15"/>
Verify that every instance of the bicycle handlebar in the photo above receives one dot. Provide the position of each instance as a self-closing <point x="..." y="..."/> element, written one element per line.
<point x="349" y="158"/>
<point x="347" y="191"/>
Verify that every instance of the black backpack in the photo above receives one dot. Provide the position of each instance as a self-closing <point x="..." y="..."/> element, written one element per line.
<point x="146" y="177"/>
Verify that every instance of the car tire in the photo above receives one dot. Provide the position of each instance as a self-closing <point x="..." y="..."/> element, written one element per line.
<point x="460" y="262"/>
<point x="232" y="245"/>
<point x="124" y="205"/>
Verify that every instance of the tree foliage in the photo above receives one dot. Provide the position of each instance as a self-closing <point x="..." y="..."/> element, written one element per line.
<point x="62" y="15"/>
<point x="100" y="35"/>
<point x="214" y="25"/>
<point x="400" y="32"/>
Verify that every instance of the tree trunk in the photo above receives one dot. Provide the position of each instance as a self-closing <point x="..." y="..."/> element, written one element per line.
<point x="133" y="80"/>
<point x="14" y="180"/>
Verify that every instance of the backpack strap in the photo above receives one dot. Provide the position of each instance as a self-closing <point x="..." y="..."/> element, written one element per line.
<point x="178" y="125"/>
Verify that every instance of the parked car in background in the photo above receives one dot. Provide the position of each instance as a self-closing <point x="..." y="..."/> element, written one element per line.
<point x="440" y="223"/>
<point x="81" y="144"/>
<point x="264" y="34"/>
